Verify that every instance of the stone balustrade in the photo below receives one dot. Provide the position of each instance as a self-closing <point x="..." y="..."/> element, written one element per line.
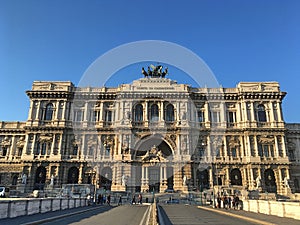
<point x="22" y="207"/>
<point x="276" y="208"/>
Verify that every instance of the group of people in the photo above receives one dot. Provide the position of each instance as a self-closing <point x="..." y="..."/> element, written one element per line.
<point x="227" y="202"/>
<point x="103" y="199"/>
<point x="140" y="199"/>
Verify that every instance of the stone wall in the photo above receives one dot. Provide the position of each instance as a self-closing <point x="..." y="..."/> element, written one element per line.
<point x="282" y="209"/>
<point x="22" y="207"/>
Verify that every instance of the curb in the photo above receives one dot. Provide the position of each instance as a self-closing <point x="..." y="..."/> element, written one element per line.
<point x="237" y="216"/>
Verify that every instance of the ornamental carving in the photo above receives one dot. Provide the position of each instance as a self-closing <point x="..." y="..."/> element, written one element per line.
<point x="153" y="155"/>
<point x="108" y="140"/>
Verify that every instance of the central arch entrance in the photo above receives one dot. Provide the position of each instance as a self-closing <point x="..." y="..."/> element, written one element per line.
<point x="155" y="154"/>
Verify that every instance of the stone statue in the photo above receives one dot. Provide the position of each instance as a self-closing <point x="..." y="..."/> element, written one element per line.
<point x="184" y="180"/>
<point x="52" y="180"/>
<point x="24" y="179"/>
<point x="155" y="72"/>
<point x="286" y="182"/>
<point x="123" y="180"/>
<point x="258" y="182"/>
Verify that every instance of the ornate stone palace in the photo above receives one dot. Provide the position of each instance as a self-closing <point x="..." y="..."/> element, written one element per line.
<point x="153" y="134"/>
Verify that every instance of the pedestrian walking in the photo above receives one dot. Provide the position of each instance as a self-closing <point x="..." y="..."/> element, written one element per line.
<point x="120" y="201"/>
<point x="108" y="200"/>
<point x="133" y="200"/>
<point x="140" y="199"/>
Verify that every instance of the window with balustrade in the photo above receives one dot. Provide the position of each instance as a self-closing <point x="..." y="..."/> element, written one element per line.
<point x="261" y="113"/>
<point x="154" y="113"/>
<point x="48" y="112"/>
<point x="169" y="116"/>
<point x="138" y="113"/>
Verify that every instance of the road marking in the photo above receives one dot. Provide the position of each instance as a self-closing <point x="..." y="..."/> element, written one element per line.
<point x="237" y="216"/>
<point x="58" y="217"/>
<point x="144" y="216"/>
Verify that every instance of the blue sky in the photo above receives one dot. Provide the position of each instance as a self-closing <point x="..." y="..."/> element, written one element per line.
<point x="58" y="40"/>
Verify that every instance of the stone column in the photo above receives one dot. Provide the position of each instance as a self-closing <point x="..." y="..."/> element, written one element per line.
<point x="163" y="181"/>
<point x="161" y="116"/>
<point x="31" y="110"/>
<point x="33" y="144"/>
<point x="228" y="180"/>
<point x="38" y="110"/>
<point x="255" y="145"/>
<point x="251" y="178"/>
<point x="252" y="112"/>
<point x="56" y="112"/>
<point x="63" y="113"/>
<point x="209" y="148"/>
<point x="271" y="110"/>
<point x="225" y="153"/>
<point x="276" y="147"/>
<point x="239" y="113"/>
<point x="12" y="148"/>
<point x="248" y="147"/>
<point x="279" y="112"/>
<point x="82" y="151"/>
<point x="143" y="181"/>
<point x="53" y="144"/>
<point x="244" y="111"/>
<point x="242" y="147"/>
<point x="80" y="174"/>
<point x="283" y="146"/>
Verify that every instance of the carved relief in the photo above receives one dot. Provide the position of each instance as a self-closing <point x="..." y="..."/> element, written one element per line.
<point x="266" y="139"/>
<point x="233" y="141"/>
<point x="46" y="138"/>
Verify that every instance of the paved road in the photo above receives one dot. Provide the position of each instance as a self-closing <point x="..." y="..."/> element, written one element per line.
<point x="189" y="214"/>
<point x="127" y="215"/>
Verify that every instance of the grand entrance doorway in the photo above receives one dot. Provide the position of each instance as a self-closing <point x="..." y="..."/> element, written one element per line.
<point x="154" y="179"/>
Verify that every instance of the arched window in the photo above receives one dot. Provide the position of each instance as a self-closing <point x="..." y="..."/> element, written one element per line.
<point x="236" y="177"/>
<point x="169" y="113"/>
<point x="154" y="113"/>
<point x="261" y="114"/>
<point x="73" y="175"/>
<point x="48" y="112"/>
<point x="270" y="181"/>
<point x="138" y="113"/>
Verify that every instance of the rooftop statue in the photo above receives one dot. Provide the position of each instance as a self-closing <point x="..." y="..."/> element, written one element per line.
<point x="155" y="71"/>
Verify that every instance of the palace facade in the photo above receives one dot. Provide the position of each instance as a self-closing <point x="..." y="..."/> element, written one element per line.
<point x="153" y="134"/>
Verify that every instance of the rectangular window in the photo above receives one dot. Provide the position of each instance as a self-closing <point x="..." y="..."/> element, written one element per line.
<point x="108" y="116"/>
<point x="201" y="117"/>
<point x="93" y="116"/>
<point x="231" y="117"/>
<point x="78" y="115"/>
<point x="215" y="117"/>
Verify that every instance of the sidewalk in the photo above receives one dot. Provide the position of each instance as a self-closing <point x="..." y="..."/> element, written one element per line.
<point x="258" y="218"/>
<point x="45" y="217"/>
